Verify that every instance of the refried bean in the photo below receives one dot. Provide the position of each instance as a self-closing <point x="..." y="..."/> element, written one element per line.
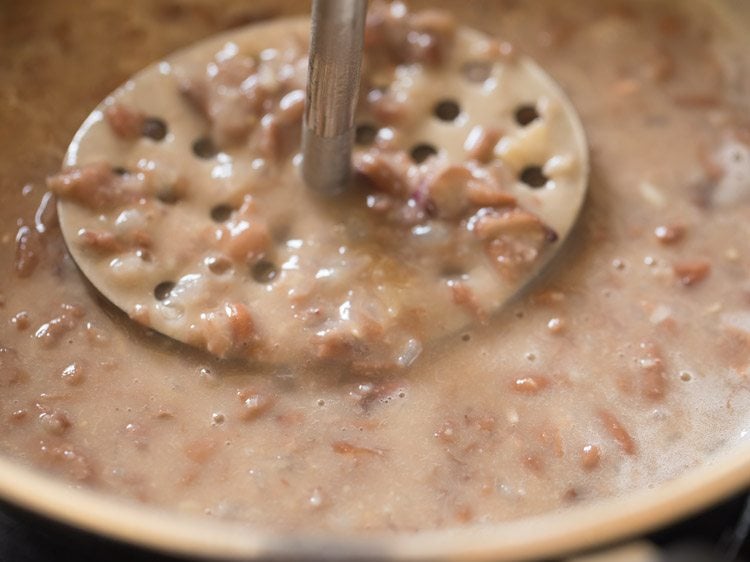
<point x="622" y="367"/>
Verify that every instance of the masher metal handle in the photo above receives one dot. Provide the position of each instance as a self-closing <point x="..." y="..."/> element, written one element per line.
<point x="338" y="29"/>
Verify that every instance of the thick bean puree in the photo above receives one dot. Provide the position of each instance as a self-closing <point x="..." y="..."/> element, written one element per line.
<point x="624" y="366"/>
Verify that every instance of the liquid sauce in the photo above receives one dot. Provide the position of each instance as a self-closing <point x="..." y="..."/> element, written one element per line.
<point x="624" y="366"/>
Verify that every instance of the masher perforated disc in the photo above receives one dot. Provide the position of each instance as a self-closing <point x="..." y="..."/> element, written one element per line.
<point x="182" y="202"/>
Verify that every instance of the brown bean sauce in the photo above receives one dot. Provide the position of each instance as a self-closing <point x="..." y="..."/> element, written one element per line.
<point x="624" y="366"/>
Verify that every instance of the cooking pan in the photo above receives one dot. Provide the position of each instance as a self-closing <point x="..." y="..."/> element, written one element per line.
<point x="551" y="534"/>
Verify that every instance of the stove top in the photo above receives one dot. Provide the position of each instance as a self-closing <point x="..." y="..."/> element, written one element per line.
<point x="719" y="534"/>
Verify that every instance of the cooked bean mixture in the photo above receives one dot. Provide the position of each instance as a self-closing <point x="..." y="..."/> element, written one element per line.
<point x="624" y="365"/>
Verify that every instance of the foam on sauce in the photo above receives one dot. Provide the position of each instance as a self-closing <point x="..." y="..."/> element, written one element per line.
<point x="622" y="368"/>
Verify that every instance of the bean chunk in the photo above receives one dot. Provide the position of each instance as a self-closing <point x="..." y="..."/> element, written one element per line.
<point x="96" y="186"/>
<point x="617" y="431"/>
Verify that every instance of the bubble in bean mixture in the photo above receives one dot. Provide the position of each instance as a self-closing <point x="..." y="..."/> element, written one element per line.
<point x="19" y="415"/>
<point x="163" y="290"/>
<point x="73" y="374"/>
<point x="56" y="422"/>
<point x="556" y="325"/>
<point x="20" y="320"/>
<point x="264" y="271"/>
<point x="218" y="264"/>
<point x="208" y="377"/>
